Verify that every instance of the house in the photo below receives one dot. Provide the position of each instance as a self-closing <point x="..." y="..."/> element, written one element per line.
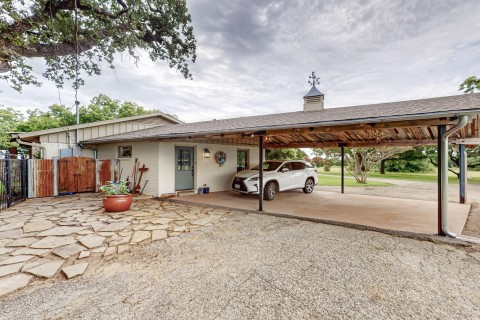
<point x="185" y="156"/>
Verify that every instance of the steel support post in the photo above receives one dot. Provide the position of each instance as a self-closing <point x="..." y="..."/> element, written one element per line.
<point x="441" y="130"/>
<point x="260" y="178"/>
<point x="463" y="172"/>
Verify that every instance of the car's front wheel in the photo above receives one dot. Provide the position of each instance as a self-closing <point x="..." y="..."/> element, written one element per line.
<point x="309" y="186"/>
<point x="270" y="191"/>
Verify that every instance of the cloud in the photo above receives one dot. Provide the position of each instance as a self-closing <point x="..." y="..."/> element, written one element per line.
<point x="254" y="57"/>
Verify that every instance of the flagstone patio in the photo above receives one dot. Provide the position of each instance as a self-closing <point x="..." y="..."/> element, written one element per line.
<point x="58" y="237"/>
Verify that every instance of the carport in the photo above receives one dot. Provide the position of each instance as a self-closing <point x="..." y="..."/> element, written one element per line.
<point x="437" y="121"/>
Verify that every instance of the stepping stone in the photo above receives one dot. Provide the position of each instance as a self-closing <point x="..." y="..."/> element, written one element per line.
<point x="53" y="242"/>
<point x="75" y="270"/>
<point x="11" y="234"/>
<point x="159" y="234"/>
<point x="46" y="270"/>
<point x="110" y="251"/>
<point x="122" y="248"/>
<point x="84" y="254"/>
<point x="60" y="231"/>
<point x="68" y="250"/>
<point x="13" y="283"/>
<point x="4" y="242"/>
<point x="11" y="226"/>
<point x="99" y="250"/>
<point x="38" y="226"/>
<point x="11" y="268"/>
<point x="22" y="242"/>
<point x="117" y="226"/>
<point x="106" y="234"/>
<point x="34" y="263"/>
<point x="28" y="251"/>
<point x="157" y="227"/>
<point x="92" y="241"/>
<point x="85" y="232"/>
<point x="5" y="250"/>
<point x="140" y="236"/>
<point x="179" y="229"/>
<point x="17" y="259"/>
<point x="162" y="220"/>
<point x="139" y="226"/>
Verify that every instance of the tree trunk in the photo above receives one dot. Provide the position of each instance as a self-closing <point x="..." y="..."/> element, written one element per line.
<point x="382" y="166"/>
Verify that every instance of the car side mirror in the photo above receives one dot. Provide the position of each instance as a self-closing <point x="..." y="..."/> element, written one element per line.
<point x="285" y="170"/>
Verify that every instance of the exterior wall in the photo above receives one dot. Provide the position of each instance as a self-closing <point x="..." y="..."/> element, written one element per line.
<point x="53" y="142"/>
<point x="159" y="157"/>
<point x="146" y="152"/>
<point x="53" y="150"/>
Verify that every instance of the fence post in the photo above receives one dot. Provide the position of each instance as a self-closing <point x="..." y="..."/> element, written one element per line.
<point x="23" y="176"/>
<point x="8" y="191"/>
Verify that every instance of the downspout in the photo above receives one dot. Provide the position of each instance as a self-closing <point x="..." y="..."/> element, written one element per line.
<point x="32" y="144"/>
<point x="89" y="148"/>
<point x="462" y="121"/>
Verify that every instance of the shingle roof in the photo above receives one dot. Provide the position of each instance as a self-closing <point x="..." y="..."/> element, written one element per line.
<point x="98" y="123"/>
<point x="382" y="112"/>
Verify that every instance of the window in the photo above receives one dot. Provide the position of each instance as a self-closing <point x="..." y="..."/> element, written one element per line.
<point x="298" y="165"/>
<point x="242" y="160"/>
<point x="125" y="151"/>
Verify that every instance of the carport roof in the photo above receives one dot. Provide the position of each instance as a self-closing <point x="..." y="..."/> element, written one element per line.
<point x="286" y="124"/>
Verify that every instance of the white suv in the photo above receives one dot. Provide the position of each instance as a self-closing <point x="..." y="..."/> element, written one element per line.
<point x="277" y="176"/>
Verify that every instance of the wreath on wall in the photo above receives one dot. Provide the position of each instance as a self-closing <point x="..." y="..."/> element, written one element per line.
<point x="220" y="158"/>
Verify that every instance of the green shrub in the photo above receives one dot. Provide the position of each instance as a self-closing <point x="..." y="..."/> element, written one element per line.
<point x="115" y="188"/>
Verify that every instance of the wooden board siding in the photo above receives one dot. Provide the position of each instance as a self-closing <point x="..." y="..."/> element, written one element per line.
<point x="104" y="173"/>
<point x="44" y="178"/>
<point x="76" y="174"/>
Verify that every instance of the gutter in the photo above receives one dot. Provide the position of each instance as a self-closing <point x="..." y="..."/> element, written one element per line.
<point x="32" y="144"/>
<point x="462" y="121"/>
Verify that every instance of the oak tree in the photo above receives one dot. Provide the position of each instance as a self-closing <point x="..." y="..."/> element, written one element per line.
<point x="98" y="30"/>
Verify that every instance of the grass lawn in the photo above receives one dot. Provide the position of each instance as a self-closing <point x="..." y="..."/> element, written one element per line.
<point x="334" y="180"/>
<point x="473" y="176"/>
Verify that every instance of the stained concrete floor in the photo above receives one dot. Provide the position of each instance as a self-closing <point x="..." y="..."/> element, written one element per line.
<point x="418" y="216"/>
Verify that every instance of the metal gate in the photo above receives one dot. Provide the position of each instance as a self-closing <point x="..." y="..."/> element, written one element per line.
<point x="13" y="179"/>
<point x="76" y="174"/>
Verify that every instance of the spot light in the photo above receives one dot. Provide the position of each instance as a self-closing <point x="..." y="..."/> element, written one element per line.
<point x="206" y="153"/>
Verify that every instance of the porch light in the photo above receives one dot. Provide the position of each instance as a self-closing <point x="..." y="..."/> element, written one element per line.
<point x="206" y="153"/>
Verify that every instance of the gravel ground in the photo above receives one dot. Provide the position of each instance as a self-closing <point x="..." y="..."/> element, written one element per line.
<point x="262" y="267"/>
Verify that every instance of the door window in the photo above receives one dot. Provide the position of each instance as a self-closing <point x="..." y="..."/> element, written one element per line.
<point x="242" y="160"/>
<point x="184" y="162"/>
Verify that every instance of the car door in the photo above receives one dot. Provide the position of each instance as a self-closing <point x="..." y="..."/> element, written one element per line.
<point x="286" y="179"/>
<point x="299" y="173"/>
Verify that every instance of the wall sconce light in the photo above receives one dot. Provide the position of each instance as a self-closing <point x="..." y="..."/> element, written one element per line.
<point x="206" y="153"/>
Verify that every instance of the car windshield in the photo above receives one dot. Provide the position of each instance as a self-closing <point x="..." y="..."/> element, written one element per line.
<point x="269" y="166"/>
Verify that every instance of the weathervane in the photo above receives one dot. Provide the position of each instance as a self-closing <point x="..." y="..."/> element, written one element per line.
<point x="314" y="80"/>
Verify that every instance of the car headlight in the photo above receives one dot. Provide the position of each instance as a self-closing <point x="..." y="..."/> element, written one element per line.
<point x="254" y="179"/>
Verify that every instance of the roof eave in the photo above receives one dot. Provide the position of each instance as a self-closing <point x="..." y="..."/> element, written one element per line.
<point x="423" y="116"/>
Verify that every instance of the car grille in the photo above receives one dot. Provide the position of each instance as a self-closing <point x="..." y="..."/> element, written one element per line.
<point x="239" y="181"/>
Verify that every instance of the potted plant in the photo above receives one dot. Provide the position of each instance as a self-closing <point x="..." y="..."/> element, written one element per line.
<point x="117" y="196"/>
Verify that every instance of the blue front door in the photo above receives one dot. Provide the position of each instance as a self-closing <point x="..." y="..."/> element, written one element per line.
<point x="184" y="169"/>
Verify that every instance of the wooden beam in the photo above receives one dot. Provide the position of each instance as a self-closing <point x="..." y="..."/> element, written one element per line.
<point x="469" y="141"/>
<point x="334" y="144"/>
<point x="365" y="126"/>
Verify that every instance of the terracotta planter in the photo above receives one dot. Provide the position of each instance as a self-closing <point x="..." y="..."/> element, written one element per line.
<point x="117" y="203"/>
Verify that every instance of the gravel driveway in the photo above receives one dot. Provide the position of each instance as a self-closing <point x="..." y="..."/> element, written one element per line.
<point x="261" y="267"/>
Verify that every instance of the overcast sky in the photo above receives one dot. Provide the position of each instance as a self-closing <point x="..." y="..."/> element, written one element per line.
<point x="254" y="57"/>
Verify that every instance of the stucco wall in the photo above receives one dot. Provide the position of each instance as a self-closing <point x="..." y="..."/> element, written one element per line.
<point x="160" y="158"/>
<point x="146" y="152"/>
